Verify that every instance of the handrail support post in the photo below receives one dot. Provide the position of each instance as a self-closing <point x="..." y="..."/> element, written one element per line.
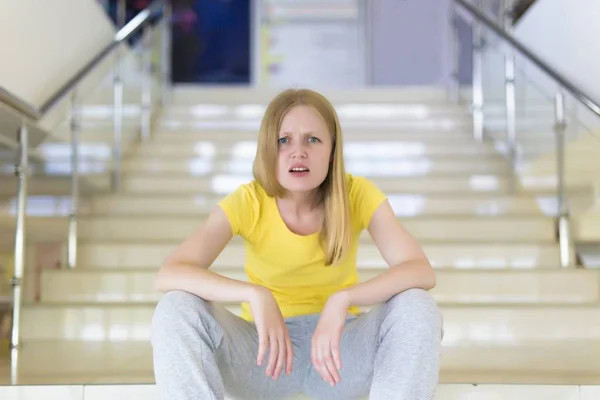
<point x="22" y="172"/>
<point x="511" y="123"/>
<point x="567" y="256"/>
<point x="477" y="84"/>
<point x="75" y="128"/>
<point x="117" y="122"/>
<point x="455" y="49"/>
<point x="146" y="100"/>
<point x="166" y="54"/>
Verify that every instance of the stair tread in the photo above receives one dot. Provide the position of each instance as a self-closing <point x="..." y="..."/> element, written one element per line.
<point x="560" y="362"/>
<point x="590" y="305"/>
<point x="439" y="270"/>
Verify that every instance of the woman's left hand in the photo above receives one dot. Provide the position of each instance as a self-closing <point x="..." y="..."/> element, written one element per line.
<point x="325" y="345"/>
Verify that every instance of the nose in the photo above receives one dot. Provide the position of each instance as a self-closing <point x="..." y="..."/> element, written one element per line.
<point x="299" y="151"/>
<point x="299" y="154"/>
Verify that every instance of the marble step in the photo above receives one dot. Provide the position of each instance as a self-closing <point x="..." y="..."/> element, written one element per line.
<point x="97" y="143"/>
<point x="458" y="124"/>
<point x="214" y="137"/>
<point x="455" y="286"/>
<point x="587" y="228"/>
<point x="552" y="362"/>
<point x="345" y="110"/>
<point x="404" y="205"/>
<point x="149" y="254"/>
<point x="55" y="184"/>
<point x="101" y="132"/>
<point x="148" y="391"/>
<point x="190" y="95"/>
<point x="211" y="138"/>
<point x="455" y="123"/>
<point x="356" y="150"/>
<point x="348" y="113"/>
<point x="465" y="325"/>
<point x="358" y="145"/>
<point x="368" y="118"/>
<point x="223" y="164"/>
<point x="383" y="166"/>
<point x="435" y="184"/>
<point x="509" y="344"/>
<point x="182" y="184"/>
<point x="153" y="227"/>
<point x="449" y="229"/>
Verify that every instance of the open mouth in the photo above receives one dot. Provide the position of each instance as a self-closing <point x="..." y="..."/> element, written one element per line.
<point x="299" y="171"/>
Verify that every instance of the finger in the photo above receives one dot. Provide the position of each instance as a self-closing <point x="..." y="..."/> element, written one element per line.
<point x="272" y="356"/>
<point x="290" y="356"/>
<point x="322" y="354"/>
<point x="335" y="352"/>
<point x="314" y="355"/>
<point x="280" y="357"/>
<point x="262" y="348"/>
<point x="330" y="363"/>
<point x="315" y="359"/>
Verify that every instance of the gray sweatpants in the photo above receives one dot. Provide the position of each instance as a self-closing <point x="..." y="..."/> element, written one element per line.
<point x="203" y="352"/>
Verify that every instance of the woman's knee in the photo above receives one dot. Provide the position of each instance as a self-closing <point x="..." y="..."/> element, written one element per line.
<point x="415" y="304"/>
<point x="182" y="317"/>
<point x="178" y="306"/>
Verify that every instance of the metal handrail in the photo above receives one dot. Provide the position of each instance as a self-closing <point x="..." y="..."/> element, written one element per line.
<point x="480" y="20"/>
<point x="26" y="117"/>
<point x="577" y="92"/>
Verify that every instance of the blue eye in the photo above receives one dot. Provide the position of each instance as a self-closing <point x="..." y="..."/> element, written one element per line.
<point x="313" y="139"/>
<point x="283" y="140"/>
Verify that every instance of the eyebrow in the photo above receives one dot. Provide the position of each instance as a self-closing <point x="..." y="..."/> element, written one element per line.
<point x="283" y="132"/>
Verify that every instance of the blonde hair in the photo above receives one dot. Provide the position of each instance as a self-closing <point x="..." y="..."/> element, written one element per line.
<point x="335" y="235"/>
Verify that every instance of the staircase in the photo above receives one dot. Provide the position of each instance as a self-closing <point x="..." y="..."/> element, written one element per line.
<point x="515" y="323"/>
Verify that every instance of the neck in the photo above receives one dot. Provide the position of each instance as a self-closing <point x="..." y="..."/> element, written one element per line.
<point x="299" y="202"/>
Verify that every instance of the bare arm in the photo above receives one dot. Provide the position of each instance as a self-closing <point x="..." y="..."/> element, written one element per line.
<point x="187" y="267"/>
<point x="409" y="266"/>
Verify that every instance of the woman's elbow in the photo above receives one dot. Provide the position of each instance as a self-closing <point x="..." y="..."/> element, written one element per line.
<point x="432" y="279"/>
<point x="429" y="278"/>
<point x="430" y="282"/>
<point x="160" y="279"/>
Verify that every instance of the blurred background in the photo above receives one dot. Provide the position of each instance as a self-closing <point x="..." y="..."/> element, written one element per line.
<point x="124" y="122"/>
<point x="343" y="43"/>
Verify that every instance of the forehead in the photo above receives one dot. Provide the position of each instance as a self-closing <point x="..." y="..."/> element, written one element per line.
<point x="303" y="118"/>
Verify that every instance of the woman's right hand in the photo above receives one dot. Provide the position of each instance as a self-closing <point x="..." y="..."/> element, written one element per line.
<point x="272" y="333"/>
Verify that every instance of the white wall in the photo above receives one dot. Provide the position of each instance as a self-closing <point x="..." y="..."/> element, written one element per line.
<point x="565" y="33"/>
<point x="44" y="43"/>
<point x="571" y="53"/>
<point x="410" y="43"/>
<point x="407" y="42"/>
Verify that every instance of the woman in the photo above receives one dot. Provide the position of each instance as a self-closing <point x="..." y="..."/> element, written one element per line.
<point x="300" y="328"/>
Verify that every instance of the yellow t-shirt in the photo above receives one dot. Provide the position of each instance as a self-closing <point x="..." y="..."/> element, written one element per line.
<point x="292" y="266"/>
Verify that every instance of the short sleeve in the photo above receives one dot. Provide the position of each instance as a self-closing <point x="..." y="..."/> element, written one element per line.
<point x="241" y="208"/>
<point x="365" y="198"/>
